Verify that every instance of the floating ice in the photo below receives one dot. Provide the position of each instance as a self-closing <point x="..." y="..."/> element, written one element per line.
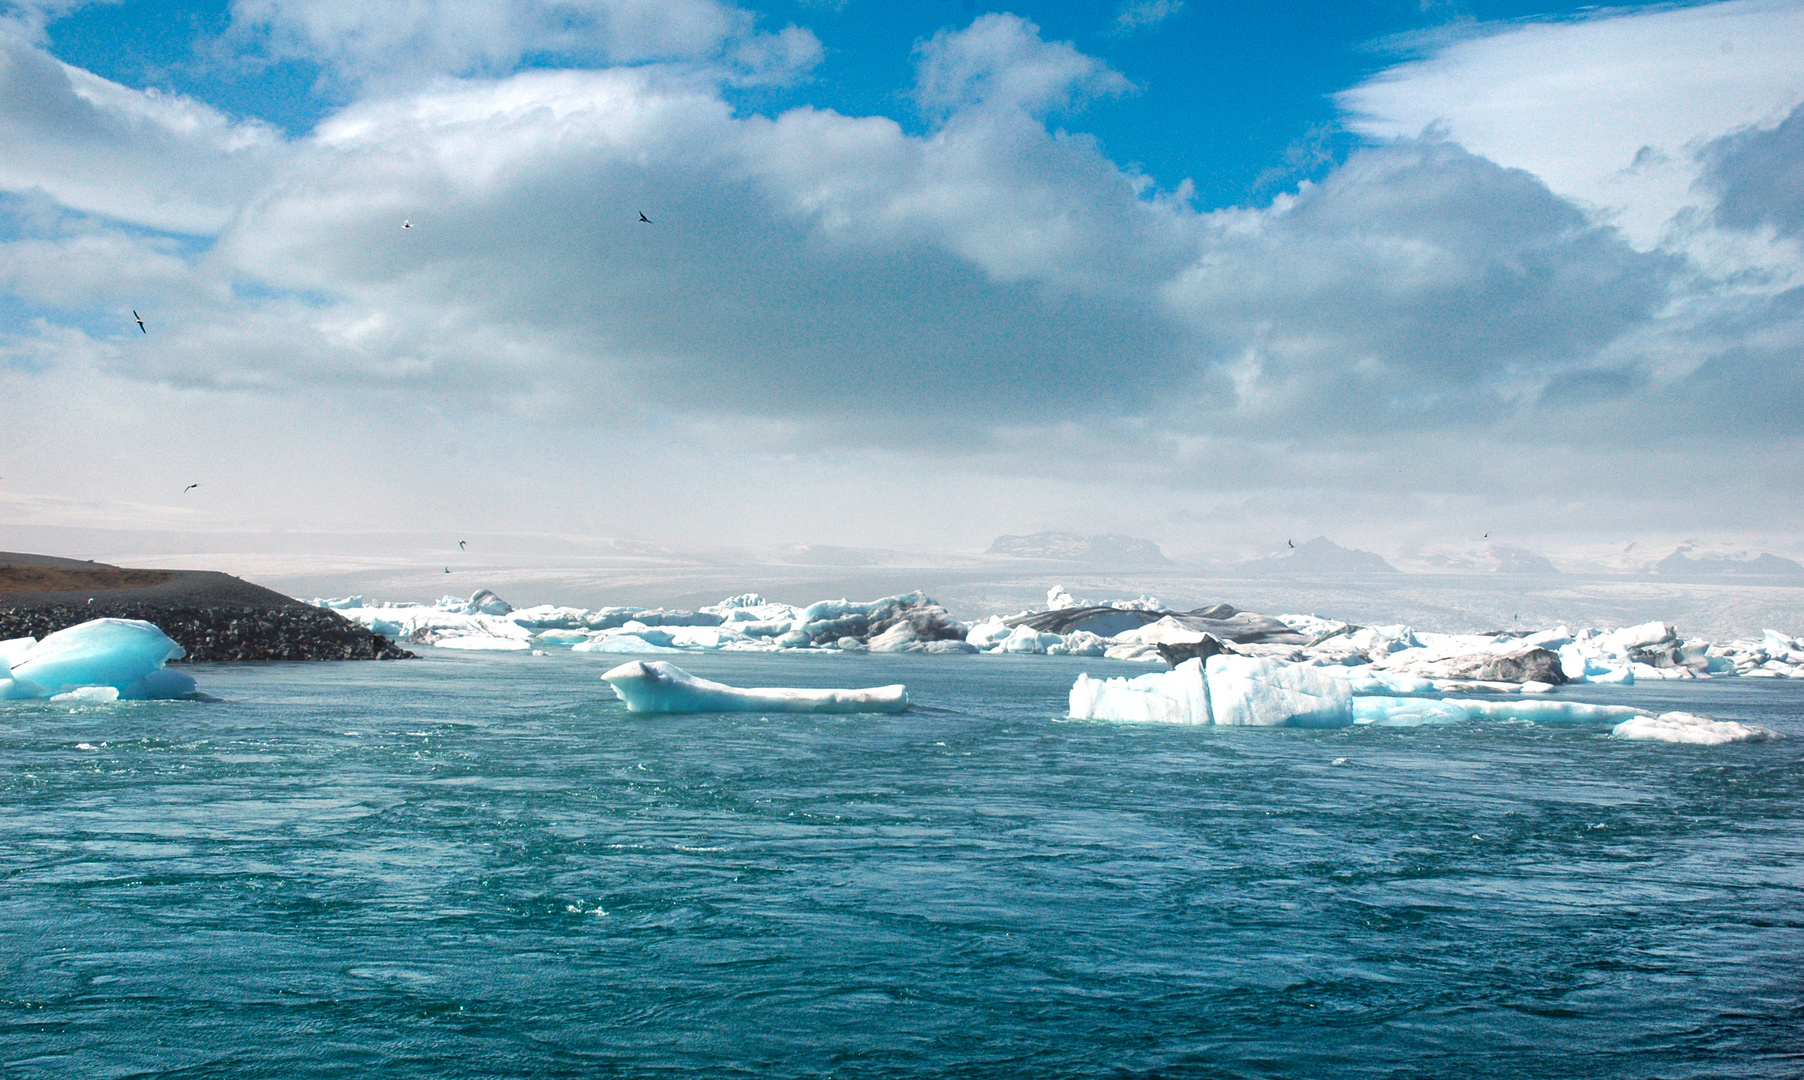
<point x="123" y="657"/>
<point x="654" y="686"/>
<point x="1681" y="727"/>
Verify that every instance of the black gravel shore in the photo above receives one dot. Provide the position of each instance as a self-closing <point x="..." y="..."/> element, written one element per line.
<point x="213" y="616"/>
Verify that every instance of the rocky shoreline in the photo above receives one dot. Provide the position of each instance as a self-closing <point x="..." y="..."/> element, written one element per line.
<point x="223" y="631"/>
<point x="212" y="616"/>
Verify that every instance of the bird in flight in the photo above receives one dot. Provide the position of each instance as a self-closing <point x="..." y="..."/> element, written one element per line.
<point x="1487" y="536"/>
<point x="189" y="488"/>
<point x="447" y="569"/>
<point x="643" y="218"/>
<point x="1292" y="543"/>
<point x="407" y="223"/>
<point x="139" y="319"/>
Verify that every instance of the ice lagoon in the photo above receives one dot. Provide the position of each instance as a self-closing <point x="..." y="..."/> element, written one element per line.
<point x="484" y="864"/>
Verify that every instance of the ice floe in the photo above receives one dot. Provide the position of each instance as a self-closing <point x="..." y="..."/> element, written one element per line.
<point x="1682" y="727"/>
<point x="98" y="660"/>
<point x="1138" y="630"/>
<point x="654" y="686"/>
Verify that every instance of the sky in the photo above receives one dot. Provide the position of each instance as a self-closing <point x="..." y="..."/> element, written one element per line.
<point x="913" y="275"/>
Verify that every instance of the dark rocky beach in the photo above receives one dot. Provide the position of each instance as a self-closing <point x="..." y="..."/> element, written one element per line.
<point x="213" y="616"/>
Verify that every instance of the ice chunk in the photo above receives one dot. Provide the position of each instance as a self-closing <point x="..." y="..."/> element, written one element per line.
<point x="1025" y="639"/>
<point x="1254" y="691"/>
<point x="100" y="652"/>
<point x="123" y="656"/>
<point x="1178" y="696"/>
<point x="990" y="633"/>
<point x="1681" y="727"/>
<point x="1407" y="712"/>
<point x="659" y="687"/>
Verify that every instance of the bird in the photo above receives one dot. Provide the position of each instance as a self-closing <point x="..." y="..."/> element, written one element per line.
<point x="460" y="545"/>
<point x="407" y="223"/>
<point x="189" y="488"/>
<point x="447" y="569"/>
<point x="1292" y="543"/>
<point x="643" y="218"/>
<point x="1487" y="536"/>
<point x="139" y="319"/>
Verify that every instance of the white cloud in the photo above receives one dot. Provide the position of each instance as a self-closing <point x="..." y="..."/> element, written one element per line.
<point x="403" y="42"/>
<point x="1001" y="62"/>
<point x="1136" y="15"/>
<point x="989" y="306"/>
<point x="1610" y="110"/>
<point x="155" y="159"/>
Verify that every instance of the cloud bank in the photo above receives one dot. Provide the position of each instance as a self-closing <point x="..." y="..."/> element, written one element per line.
<point x="1485" y="311"/>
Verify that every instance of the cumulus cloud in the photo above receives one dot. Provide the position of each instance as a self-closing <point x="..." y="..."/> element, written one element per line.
<point x="1758" y="177"/>
<point x="1419" y="285"/>
<point x="1608" y="110"/>
<point x="992" y="298"/>
<point x="1001" y="62"/>
<point x="156" y="159"/>
<point x="401" y="42"/>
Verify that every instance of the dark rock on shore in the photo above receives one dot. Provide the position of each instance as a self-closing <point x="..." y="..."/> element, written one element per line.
<point x="212" y="616"/>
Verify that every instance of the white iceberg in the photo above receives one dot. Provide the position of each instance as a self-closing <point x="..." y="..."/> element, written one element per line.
<point x="1681" y="727"/>
<point x="1230" y="690"/>
<point x="1178" y="696"/>
<point x="124" y="656"/>
<point x="654" y="686"/>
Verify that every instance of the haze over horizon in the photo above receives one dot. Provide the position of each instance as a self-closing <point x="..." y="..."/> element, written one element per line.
<point x="1403" y="276"/>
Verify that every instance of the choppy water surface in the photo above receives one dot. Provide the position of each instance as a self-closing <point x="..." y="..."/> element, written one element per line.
<point x="483" y="866"/>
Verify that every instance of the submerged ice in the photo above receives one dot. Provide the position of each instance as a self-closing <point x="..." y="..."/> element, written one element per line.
<point x="102" y="659"/>
<point x="654" y="686"/>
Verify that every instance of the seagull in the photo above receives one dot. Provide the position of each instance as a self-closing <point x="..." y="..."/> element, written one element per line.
<point x="407" y="223"/>
<point x="189" y="488"/>
<point x="139" y="319"/>
<point x="643" y="218"/>
<point x="1487" y="536"/>
<point x="1292" y="543"/>
<point x="447" y="569"/>
<point x="460" y="545"/>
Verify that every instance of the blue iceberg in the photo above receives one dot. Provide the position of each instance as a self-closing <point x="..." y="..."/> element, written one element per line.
<point x="124" y="656"/>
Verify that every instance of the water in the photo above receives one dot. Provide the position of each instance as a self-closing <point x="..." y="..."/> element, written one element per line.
<point x="483" y="866"/>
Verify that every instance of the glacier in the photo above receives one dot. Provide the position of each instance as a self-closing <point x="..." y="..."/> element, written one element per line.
<point x="98" y="660"/>
<point x="655" y="686"/>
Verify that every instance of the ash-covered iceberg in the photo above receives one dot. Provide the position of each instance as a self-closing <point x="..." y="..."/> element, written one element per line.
<point x="654" y="686"/>
<point x="101" y="659"/>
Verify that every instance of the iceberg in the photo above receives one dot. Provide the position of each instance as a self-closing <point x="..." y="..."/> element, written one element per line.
<point x="125" y="656"/>
<point x="1682" y="727"/>
<point x="1242" y="691"/>
<point x="655" y="686"/>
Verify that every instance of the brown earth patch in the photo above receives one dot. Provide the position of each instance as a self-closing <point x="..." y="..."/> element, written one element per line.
<point x="35" y="579"/>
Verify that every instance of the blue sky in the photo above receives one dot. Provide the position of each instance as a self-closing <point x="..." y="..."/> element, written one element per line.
<point x="1236" y="97"/>
<point x="918" y="274"/>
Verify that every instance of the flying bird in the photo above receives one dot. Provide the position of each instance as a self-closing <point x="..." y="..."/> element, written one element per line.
<point x="1292" y="543"/>
<point x="643" y="218"/>
<point x="189" y="488"/>
<point x="139" y="319"/>
<point x="460" y="545"/>
<point x="407" y="223"/>
<point x="447" y="569"/>
<point x="1487" y="536"/>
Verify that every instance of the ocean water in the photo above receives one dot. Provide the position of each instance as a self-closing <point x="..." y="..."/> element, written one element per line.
<point x="474" y="866"/>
